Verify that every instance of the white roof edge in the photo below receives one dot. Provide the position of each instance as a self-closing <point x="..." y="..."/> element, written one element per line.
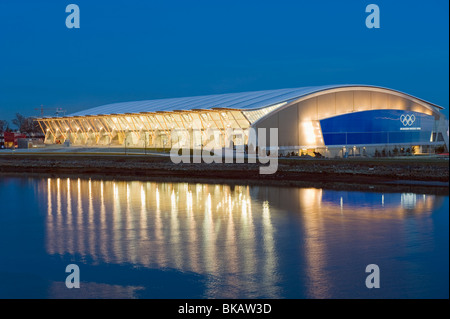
<point x="258" y="99"/>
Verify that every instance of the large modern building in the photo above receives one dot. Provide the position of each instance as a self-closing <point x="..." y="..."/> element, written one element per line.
<point x="333" y="120"/>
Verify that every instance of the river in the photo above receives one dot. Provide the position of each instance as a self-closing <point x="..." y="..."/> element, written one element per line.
<point x="140" y="239"/>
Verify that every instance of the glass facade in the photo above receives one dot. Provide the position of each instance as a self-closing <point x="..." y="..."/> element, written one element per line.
<point x="378" y="127"/>
<point x="255" y="115"/>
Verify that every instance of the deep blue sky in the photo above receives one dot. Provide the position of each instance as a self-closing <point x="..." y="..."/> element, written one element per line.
<point x="135" y="50"/>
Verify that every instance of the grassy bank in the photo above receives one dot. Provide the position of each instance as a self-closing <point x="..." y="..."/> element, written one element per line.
<point x="392" y="173"/>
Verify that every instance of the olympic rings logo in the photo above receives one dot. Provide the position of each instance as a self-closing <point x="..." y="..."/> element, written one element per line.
<point x="408" y="119"/>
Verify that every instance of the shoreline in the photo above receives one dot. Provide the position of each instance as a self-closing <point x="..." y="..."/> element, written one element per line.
<point x="405" y="175"/>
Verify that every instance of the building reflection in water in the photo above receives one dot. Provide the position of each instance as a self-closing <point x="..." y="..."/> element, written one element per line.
<point x="233" y="234"/>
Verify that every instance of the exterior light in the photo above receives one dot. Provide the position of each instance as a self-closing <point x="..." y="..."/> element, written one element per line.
<point x="308" y="132"/>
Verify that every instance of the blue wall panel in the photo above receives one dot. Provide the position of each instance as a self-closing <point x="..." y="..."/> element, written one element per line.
<point x="377" y="127"/>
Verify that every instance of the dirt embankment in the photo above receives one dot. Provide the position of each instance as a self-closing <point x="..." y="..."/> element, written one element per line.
<point x="319" y="172"/>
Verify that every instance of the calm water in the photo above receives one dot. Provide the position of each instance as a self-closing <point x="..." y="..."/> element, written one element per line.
<point x="179" y="240"/>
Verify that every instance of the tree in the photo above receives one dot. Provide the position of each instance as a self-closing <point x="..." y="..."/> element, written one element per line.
<point x="19" y="120"/>
<point x="4" y="126"/>
<point x="26" y="124"/>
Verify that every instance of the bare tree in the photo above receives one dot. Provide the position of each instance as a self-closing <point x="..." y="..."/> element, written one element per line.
<point x="26" y="124"/>
<point x="19" y="120"/>
<point x="4" y="126"/>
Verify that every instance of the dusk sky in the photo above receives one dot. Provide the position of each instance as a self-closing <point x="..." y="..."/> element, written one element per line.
<point x="137" y="50"/>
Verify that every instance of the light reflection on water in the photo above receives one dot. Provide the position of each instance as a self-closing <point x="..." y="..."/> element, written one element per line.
<point x="246" y="241"/>
<point x="207" y="229"/>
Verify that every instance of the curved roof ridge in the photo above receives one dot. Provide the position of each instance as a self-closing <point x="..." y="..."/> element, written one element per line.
<point x="241" y="100"/>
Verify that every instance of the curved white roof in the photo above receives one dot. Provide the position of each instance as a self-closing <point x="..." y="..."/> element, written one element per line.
<point x="245" y="101"/>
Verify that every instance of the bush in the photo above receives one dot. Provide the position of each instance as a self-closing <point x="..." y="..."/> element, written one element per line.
<point x="439" y="149"/>
<point x="395" y="151"/>
<point x="318" y="154"/>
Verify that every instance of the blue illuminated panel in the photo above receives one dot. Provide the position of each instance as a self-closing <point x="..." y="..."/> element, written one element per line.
<point x="377" y="127"/>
